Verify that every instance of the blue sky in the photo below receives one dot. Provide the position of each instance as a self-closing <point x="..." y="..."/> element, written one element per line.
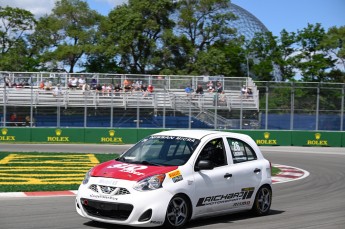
<point x="294" y="15"/>
<point x="276" y="15"/>
<point x="291" y="15"/>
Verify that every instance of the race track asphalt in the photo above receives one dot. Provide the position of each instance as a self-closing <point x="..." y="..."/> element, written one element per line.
<point x="318" y="201"/>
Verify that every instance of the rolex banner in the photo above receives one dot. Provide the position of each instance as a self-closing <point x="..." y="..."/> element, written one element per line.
<point x="11" y="135"/>
<point x="132" y="135"/>
<point x="57" y="135"/>
<point x="317" y="138"/>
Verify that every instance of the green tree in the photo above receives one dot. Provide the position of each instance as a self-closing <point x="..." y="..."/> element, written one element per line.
<point x="135" y="31"/>
<point x="15" y="24"/>
<point x="68" y="33"/>
<point x="333" y="44"/>
<point x="286" y="60"/>
<point x="264" y="51"/>
<point x="311" y="59"/>
<point x="200" y="24"/>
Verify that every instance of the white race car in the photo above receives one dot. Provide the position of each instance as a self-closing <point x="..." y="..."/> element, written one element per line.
<point x="173" y="176"/>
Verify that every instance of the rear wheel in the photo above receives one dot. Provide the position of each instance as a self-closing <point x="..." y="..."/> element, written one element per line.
<point x="262" y="203"/>
<point x="178" y="212"/>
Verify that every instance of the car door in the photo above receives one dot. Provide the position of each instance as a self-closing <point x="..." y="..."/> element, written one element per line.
<point x="213" y="187"/>
<point x="246" y="171"/>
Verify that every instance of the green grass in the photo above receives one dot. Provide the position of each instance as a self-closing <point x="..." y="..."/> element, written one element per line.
<point x="33" y="171"/>
<point x="275" y="171"/>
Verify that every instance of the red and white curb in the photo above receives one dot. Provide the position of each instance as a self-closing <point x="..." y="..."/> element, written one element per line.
<point x="37" y="194"/>
<point x="287" y="174"/>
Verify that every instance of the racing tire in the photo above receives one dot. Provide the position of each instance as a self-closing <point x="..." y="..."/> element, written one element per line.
<point x="263" y="200"/>
<point x="178" y="212"/>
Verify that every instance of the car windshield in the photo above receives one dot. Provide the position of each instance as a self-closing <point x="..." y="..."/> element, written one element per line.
<point x="161" y="150"/>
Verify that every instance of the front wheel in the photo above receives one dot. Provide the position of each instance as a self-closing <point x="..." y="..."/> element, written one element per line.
<point x="178" y="212"/>
<point x="262" y="203"/>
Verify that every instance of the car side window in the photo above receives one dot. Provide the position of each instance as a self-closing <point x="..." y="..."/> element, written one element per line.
<point x="215" y="152"/>
<point x="241" y="151"/>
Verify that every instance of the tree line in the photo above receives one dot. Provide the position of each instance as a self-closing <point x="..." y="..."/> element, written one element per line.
<point x="186" y="37"/>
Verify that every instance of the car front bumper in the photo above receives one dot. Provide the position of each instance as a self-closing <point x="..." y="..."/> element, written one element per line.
<point x="130" y="207"/>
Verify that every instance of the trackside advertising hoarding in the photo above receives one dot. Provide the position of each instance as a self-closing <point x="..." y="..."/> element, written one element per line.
<point x="131" y="136"/>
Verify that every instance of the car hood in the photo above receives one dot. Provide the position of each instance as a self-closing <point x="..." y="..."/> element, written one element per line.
<point x="127" y="171"/>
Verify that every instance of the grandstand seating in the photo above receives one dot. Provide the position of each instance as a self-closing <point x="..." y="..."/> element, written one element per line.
<point x="168" y="94"/>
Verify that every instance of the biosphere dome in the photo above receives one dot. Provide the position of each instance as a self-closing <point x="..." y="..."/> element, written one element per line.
<point x="246" y="24"/>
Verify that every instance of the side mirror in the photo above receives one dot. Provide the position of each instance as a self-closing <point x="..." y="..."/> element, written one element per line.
<point x="204" y="165"/>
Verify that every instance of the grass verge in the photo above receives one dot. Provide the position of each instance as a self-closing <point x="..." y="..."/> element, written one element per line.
<point x="33" y="171"/>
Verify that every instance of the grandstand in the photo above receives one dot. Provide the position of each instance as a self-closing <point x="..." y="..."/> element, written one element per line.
<point x="168" y="106"/>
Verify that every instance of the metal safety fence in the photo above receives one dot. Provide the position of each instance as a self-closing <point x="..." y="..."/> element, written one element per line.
<point x="45" y="99"/>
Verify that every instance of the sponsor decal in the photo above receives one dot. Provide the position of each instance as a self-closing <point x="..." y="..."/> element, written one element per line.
<point x="173" y="138"/>
<point x="7" y="138"/>
<point x="317" y="141"/>
<point x="267" y="140"/>
<point x="58" y="137"/>
<point x="244" y="203"/>
<point x="103" y="197"/>
<point x="108" y="182"/>
<point x="111" y="138"/>
<point x="129" y="168"/>
<point x="175" y="176"/>
<point x="156" y="222"/>
<point x="246" y="193"/>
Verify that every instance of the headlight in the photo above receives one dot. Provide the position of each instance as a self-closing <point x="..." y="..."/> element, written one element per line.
<point x="87" y="177"/>
<point x="150" y="183"/>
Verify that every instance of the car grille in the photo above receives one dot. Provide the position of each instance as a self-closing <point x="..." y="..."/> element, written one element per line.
<point x="109" y="190"/>
<point x="106" y="210"/>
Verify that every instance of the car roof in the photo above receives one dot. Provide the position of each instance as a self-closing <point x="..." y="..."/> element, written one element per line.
<point x="197" y="134"/>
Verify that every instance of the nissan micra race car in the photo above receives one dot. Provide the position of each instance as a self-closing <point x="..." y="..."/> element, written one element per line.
<point x="173" y="176"/>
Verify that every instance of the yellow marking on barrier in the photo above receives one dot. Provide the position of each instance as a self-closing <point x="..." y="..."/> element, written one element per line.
<point x="23" y="169"/>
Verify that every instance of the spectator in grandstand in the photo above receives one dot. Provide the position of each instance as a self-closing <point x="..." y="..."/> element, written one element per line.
<point x="81" y="82"/>
<point x="73" y="83"/>
<point x="107" y="89"/>
<point x="85" y="88"/>
<point x="127" y="85"/>
<point x="244" y="91"/>
<point x="222" y="98"/>
<point x="144" y="90"/>
<point x="136" y="86"/>
<point x="93" y="83"/>
<point x="117" y="89"/>
<point x="210" y="87"/>
<point x="13" y="120"/>
<point x="150" y="88"/>
<point x="188" y="90"/>
<point x="98" y="88"/>
<point x="28" y="121"/>
<point x="41" y="86"/>
<point x="48" y="85"/>
<point x="219" y="87"/>
<point x="57" y="91"/>
<point x="249" y="92"/>
<point x="199" y="90"/>
<point x="8" y="82"/>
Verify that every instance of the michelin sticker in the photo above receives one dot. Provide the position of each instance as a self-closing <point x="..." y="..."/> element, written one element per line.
<point x="175" y="176"/>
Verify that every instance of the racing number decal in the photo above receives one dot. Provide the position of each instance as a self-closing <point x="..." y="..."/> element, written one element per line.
<point x="236" y="149"/>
